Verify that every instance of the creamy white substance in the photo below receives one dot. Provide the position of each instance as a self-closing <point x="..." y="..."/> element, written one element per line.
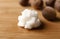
<point x="29" y="19"/>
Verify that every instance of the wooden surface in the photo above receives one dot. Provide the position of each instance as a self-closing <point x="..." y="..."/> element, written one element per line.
<point x="9" y="12"/>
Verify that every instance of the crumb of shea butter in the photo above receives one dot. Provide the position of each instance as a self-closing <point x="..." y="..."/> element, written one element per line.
<point x="29" y="19"/>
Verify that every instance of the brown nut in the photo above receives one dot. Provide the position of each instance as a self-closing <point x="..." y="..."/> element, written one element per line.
<point x="57" y="5"/>
<point x="36" y="4"/>
<point x="50" y="3"/>
<point x="24" y="2"/>
<point x="49" y="13"/>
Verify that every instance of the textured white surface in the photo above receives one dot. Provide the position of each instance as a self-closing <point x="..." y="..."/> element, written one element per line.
<point x="28" y="19"/>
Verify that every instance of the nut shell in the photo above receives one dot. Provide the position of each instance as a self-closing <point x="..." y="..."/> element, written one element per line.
<point x="24" y="2"/>
<point x="50" y="3"/>
<point x="49" y="13"/>
<point x="36" y="4"/>
<point x="57" y="5"/>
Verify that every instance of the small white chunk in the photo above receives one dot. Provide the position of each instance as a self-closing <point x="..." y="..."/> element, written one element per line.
<point x="29" y="19"/>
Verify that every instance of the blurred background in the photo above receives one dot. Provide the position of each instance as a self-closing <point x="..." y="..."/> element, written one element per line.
<point x="9" y="12"/>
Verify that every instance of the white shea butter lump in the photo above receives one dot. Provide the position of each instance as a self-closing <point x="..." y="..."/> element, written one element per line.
<point x="29" y="19"/>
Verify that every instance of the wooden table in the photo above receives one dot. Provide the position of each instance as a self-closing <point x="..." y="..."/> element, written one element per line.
<point x="9" y="12"/>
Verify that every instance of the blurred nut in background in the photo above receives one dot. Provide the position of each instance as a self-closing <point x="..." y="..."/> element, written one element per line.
<point x="49" y="13"/>
<point x="24" y="2"/>
<point x="36" y="4"/>
<point x="50" y="2"/>
<point x="57" y="5"/>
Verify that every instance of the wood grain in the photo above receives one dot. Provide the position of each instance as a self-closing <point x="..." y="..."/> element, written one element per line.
<point x="9" y="12"/>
